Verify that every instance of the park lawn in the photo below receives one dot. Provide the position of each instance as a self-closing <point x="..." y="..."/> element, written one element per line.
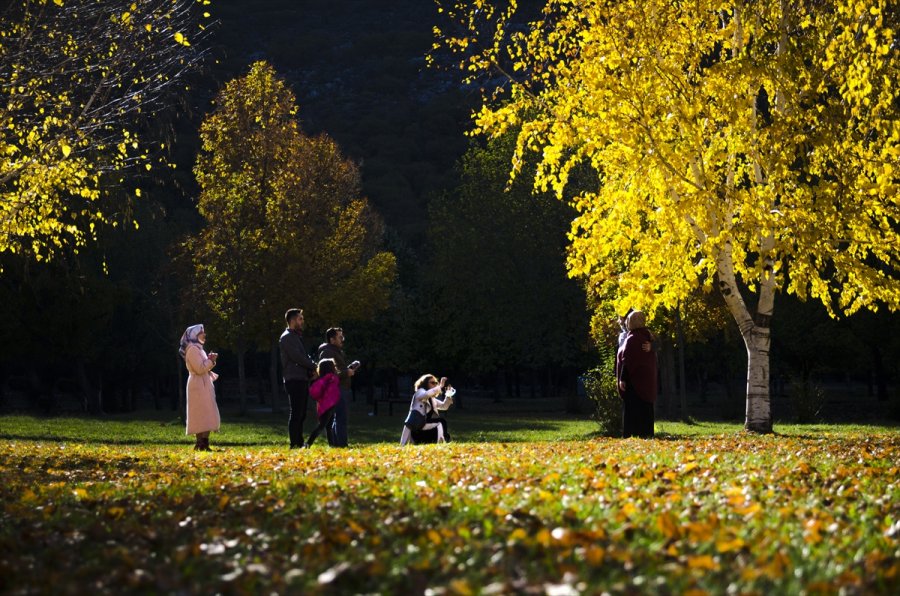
<point x="125" y="505"/>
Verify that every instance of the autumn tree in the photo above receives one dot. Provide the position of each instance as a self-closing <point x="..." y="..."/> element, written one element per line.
<point x="285" y="222"/>
<point x="748" y="146"/>
<point x="79" y="82"/>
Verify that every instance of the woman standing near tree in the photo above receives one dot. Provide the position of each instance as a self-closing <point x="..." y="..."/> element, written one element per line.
<point x="202" y="411"/>
<point x="636" y="376"/>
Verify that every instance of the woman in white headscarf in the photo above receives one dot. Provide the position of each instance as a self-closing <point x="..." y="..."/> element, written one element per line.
<point x="202" y="411"/>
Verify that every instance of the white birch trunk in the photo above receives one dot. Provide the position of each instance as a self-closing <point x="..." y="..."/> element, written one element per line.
<point x="755" y="329"/>
<point x="756" y="334"/>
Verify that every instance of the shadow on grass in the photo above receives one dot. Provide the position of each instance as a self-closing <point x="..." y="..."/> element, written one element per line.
<point x="265" y="429"/>
<point x="185" y="442"/>
<point x="269" y="430"/>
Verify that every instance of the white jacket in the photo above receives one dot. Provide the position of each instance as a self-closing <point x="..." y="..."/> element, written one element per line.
<point x="423" y="396"/>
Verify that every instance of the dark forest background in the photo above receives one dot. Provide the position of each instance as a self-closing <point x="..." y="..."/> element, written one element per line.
<point x="482" y="294"/>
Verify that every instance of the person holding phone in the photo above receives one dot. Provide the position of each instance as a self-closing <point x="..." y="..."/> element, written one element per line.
<point x="426" y="406"/>
<point x="333" y="349"/>
<point x="202" y="412"/>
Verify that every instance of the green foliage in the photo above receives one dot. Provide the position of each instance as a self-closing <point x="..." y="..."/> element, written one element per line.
<point x="708" y="513"/>
<point x="602" y="389"/>
<point x="498" y="282"/>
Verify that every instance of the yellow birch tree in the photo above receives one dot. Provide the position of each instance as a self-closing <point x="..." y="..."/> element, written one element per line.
<point x="80" y="80"/>
<point x="748" y="146"/>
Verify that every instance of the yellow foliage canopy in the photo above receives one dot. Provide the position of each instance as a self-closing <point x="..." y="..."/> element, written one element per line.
<point x="757" y="136"/>
<point x="78" y="78"/>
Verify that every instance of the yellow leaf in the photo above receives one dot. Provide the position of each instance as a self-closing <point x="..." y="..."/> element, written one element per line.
<point x="460" y="587"/>
<point x="543" y="537"/>
<point x="66" y="150"/>
<point x="726" y="546"/>
<point x="594" y="555"/>
<point x="688" y="467"/>
<point x="550" y="478"/>
<point x="668" y="525"/>
<point x="699" y="531"/>
<point x="702" y="562"/>
<point x="776" y="568"/>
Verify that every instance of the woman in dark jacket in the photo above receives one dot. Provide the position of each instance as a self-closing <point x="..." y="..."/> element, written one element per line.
<point x="636" y="375"/>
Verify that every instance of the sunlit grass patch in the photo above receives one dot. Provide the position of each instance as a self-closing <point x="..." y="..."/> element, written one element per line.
<point x="811" y="511"/>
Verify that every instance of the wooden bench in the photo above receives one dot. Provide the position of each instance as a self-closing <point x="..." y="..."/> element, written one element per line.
<point x="388" y="394"/>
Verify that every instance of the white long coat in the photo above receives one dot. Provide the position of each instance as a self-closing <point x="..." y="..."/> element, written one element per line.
<point x="202" y="411"/>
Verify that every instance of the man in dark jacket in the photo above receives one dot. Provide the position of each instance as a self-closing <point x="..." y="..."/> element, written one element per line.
<point x="297" y="370"/>
<point x="334" y="348"/>
<point x="636" y="375"/>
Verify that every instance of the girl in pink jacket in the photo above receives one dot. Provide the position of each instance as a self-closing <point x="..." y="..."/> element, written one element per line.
<point x="326" y="392"/>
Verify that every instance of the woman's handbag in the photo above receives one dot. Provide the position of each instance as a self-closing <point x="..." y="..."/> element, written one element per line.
<point x="415" y="420"/>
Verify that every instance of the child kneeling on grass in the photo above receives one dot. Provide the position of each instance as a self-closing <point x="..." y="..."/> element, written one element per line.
<point x="326" y="392"/>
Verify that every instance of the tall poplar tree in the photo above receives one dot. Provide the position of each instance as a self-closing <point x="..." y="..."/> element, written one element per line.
<point x="748" y="146"/>
<point x="285" y="222"/>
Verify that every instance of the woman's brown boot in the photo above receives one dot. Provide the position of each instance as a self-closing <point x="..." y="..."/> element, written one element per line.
<point x="198" y="444"/>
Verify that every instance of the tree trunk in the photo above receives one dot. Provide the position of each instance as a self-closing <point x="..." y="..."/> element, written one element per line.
<point x="667" y="374"/>
<point x="182" y="399"/>
<point x="756" y="334"/>
<point x="682" y="381"/>
<point x="91" y="397"/>
<point x="273" y="375"/>
<point x="242" y="376"/>
<point x="369" y="368"/>
<point x="260" y="381"/>
<point x="880" y="372"/>
<point x="759" y="407"/>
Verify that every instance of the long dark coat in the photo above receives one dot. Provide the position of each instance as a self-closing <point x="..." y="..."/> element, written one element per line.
<point x="637" y="367"/>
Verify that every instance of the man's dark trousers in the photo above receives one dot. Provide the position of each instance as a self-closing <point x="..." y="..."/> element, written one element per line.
<point x="298" y="394"/>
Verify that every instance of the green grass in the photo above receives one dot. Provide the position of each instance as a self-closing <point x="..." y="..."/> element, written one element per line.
<point x="262" y="429"/>
<point x="518" y="503"/>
